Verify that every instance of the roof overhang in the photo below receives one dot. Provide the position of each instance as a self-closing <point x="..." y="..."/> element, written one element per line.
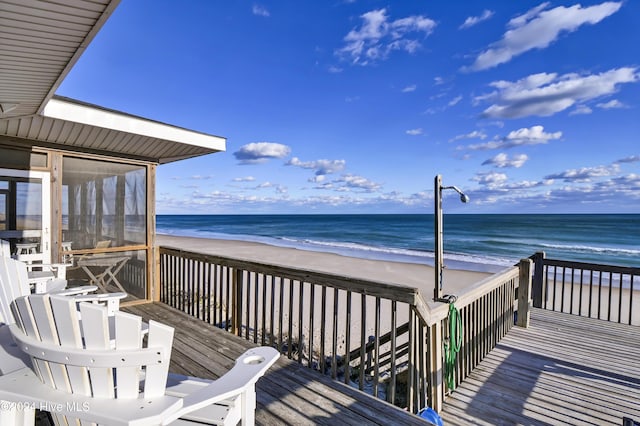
<point x="77" y="126"/>
<point x="40" y="41"/>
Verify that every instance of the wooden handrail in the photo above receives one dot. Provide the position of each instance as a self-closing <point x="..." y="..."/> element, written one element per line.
<point x="245" y="294"/>
<point x="369" y="287"/>
<point x="587" y="289"/>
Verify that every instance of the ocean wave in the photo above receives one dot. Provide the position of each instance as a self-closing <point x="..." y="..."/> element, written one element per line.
<point x="593" y="249"/>
<point x="459" y="260"/>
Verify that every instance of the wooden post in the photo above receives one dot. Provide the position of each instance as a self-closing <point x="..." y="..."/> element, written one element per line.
<point x="524" y="294"/>
<point x="154" y="286"/>
<point x="538" y="279"/>
<point x="236" y="303"/>
<point x="437" y="367"/>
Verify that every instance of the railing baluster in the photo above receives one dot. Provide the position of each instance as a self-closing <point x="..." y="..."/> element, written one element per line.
<point x="312" y="304"/>
<point x="363" y="340"/>
<point x="323" y="322"/>
<point x="412" y="362"/>
<point x="280" y="313"/>
<point x="263" y="327"/>
<point x="290" y="329"/>
<point x="599" y="294"/>
<point x="300" y="326"/>
<point x="272" y="335"/>
<point x="620" y="300"/>
<point x="581" y="285"/>
<point x="376" y="350"/>
<point x="590" y="292"/>
<point x="334" y="336"/>
<point x="347" y="341"/>
<point x="391" y="397"/>
<point x="630" y="298"/>
<point x="610" y="294"/>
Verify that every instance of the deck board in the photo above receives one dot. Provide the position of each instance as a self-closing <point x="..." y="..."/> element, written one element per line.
<point x="288" y="394"/>
<point x="563" y="369"/>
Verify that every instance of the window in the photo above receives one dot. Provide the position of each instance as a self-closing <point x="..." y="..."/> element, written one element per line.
<point x="103" y="201"/>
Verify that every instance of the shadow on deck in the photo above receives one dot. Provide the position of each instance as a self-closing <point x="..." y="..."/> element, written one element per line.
<point x="564" y="369"/>
<point x="288" y="394"/>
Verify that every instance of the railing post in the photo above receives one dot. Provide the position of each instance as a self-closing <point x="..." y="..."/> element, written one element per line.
<point x="236" y="304"/>
<point x="538" y="279"/>
<point x="524" y="293"/>
<point x="437" y="367"/>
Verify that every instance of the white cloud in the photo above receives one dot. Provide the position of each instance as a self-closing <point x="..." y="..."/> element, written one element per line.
<point x="378" y="37"/>
<point x="244" y="179"/>
<point x="454" y="101"/>
<point x="259" y="152"/>
<point x="474" y="20"/>
<point x="491" y="179"/>
<point x="502" y="160"/>
<point x="260" y="11"/>
<point x="476" y="134"/>
<point x="335" y="70"/>
<point x="408" y="89"/>
<point x="530" y="136"/>
<point x="630" y="159"/>
<point x="534" y="135"/>
<point x="414" y="132"/>
<point x="546" y="94"/>
<point x="612" y="104"/>
<point x="538" y="28"/>
<point x="357" y="182"/>
<point x="581" y="110"/>
<point x="321" y="167"/>
<point x="585" y="174"/>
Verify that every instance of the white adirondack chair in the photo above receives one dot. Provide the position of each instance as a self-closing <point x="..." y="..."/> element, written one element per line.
<point x="13" y="284"/>
<point x="43" y="276"/>
<point x="85" y="378"/>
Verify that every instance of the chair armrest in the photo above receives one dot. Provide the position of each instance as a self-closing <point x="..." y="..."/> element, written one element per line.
<point x="76" y="291"/>
<point x="249" y="367"/>
<point x="110" y="300"/>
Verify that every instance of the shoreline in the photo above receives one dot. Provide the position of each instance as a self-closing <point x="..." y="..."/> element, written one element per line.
<point x="407" y="274"/>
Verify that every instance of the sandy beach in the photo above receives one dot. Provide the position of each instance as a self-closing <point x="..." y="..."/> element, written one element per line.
<point x="399" y="273"/>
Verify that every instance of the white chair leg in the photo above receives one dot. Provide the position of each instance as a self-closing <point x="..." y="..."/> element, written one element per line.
<point x="248" y="400"/>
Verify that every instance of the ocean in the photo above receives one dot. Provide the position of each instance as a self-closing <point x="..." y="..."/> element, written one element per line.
<point x="487" y="242"/>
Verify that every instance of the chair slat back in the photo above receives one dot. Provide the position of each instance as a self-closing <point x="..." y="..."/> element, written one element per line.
<point x="128" y="330"/>
<point x="13" y="284"/>
<point x="5" y="248"/>
<point x="74" y="352"/>
<point x="160" y="336"/>
<point x="95" y="329"/>
<point x="26" y="321"/>
<point x="70" y="335"/>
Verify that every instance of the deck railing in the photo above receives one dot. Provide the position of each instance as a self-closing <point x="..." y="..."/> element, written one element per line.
<point x="606" y="292"/>
<point x="379" y="337"/>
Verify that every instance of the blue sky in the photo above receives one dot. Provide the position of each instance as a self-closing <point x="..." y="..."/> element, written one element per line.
<point x="354" y="106"/>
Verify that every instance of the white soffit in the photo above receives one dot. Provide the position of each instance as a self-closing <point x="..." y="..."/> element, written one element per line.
<point x="103" y="118"/>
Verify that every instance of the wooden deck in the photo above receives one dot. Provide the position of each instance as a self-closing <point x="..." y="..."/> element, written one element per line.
<point x="563" y="370"/>
<point x="288" y="394"/>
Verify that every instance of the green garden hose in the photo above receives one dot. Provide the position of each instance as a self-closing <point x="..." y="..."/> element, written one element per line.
<point x="452" y="346"/>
